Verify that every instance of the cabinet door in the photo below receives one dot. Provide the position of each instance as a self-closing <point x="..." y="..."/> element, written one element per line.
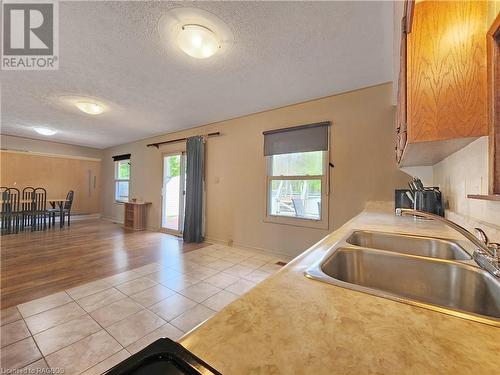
<point x="447" y="90"/>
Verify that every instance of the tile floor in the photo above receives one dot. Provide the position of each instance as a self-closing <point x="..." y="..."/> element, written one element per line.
<point x="90" y="328"/>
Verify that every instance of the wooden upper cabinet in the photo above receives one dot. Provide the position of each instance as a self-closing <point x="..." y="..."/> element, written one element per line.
<point x="446" y="79"/>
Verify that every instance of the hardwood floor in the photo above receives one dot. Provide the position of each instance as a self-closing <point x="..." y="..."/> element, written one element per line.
<point x="36" y="264"/>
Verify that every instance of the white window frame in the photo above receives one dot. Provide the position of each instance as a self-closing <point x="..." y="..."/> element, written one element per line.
<point x="117" y="180"/>
<point x="323" y="222"/>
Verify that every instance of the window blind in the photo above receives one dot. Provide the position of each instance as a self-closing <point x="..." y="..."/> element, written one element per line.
<point x="121" y="157"/>
<point x="303" y="138"/>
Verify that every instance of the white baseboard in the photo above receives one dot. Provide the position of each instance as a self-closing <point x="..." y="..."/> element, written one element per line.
<point x="76" y="217"/>
<point x="86" y="216"/>
<point x="260" y="249"/>
<point x="219" y="241"/>
<point x="240" y="245"/>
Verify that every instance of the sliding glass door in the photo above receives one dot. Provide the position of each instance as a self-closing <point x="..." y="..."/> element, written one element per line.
<point x="173" y="192"/>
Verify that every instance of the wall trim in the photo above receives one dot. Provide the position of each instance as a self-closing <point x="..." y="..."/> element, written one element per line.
<point x="218" y="241"/>
<point x="81" y="217"/>
<point x="49" y="141"/>
<point x="35" y="153"/>
<point x="262" y="250"/>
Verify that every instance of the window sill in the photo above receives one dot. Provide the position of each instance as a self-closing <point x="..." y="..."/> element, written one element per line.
<point x="297" y="222"/>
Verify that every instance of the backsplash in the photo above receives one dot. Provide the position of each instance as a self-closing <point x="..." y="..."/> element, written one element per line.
<point x="466" y="172"/>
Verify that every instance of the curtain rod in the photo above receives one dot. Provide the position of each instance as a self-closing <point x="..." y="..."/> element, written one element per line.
<point x="157" y="145"/>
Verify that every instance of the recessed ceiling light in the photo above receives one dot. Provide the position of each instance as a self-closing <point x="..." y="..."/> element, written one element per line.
<point x="44" y="131"/>
<point x="198" y="41"/>
<point x="90" y="108"/>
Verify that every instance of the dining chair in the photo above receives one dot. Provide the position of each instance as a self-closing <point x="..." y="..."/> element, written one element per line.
<point x="67" y="206"/>
<point x="51" y="214"/>
<point x="52" y="211"/>
<point x="27" y="207"/>
<point x="39" y="209"/>
<point x="15" y="212"/>
<point x="4" y="213"/>
<point x="62" y="211"/>
<point x="10" y="214"/>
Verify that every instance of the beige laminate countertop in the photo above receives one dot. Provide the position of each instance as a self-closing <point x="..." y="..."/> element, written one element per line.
<point x="289" y="324"/>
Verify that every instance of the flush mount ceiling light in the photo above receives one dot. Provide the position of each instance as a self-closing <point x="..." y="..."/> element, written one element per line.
<point x="90" y="108"/>
<point x="44" y="131"/>
<point x="198" y="41"/>
<point x="196" y="32"/>
<point x="86" y="104"/>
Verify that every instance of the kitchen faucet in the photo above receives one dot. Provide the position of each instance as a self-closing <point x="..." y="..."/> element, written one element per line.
<point x="486" y="254"/>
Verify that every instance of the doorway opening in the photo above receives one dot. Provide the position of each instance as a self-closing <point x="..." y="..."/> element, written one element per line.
<point x="173" y="193"/>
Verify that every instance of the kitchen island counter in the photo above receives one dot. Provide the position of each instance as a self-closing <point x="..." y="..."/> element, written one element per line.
<point x="289" y="324"/>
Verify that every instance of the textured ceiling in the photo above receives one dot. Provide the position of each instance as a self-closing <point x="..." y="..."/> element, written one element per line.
<point x="283" y="53"/>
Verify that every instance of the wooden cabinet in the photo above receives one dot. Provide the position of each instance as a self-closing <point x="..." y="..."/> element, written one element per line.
<point x="445" y="104"/>
<point x="135" y="215"/>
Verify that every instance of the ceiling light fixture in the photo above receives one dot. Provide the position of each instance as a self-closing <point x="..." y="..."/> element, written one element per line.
<point x="44" y="131"/>
<point x="198" y="41"/>
<point x="90" y="108"/>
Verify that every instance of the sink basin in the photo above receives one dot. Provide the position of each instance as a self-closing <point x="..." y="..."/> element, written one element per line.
<point x="409" y="244"/>
<point x="446" y="286"/>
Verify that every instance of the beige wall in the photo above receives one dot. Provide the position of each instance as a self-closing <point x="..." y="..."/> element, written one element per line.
<point x="362" y="151"/>
<point x="14" y="143"/>
<point x="58" y="167"/>
<point x="396" y="47"/>
<point x="466" y="172"/>
<point x="57" y="174"/>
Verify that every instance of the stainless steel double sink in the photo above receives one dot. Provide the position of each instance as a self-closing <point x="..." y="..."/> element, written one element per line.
<point x="429" y="272"/>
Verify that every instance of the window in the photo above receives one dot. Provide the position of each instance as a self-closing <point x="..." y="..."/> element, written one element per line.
<point x="122" y="177"/>
<point x="297" y="183"/>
